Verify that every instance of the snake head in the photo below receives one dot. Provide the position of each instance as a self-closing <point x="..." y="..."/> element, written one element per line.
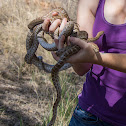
<point x="82" y="35"/>
<point x="68" y="29"/>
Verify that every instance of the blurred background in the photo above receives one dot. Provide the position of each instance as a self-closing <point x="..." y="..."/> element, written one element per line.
<point x="27" y="94"/>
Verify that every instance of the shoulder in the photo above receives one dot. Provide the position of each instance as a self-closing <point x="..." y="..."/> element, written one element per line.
<point x="90" y="5"/>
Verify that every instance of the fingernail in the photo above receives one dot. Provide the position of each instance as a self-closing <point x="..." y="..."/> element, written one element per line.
<point x="65" y="19"/>
<point x="55" y="13"/>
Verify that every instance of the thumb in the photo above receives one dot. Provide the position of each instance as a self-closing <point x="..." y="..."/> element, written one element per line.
<point x="77" y="41"/>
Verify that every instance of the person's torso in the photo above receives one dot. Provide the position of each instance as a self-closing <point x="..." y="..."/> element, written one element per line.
<point x="104" y="92"/>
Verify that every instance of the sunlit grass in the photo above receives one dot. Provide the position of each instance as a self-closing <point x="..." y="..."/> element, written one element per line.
<point x="14" y="18"/>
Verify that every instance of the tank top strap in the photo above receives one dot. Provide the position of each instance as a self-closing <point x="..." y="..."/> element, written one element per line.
<point x="100" y="1"/>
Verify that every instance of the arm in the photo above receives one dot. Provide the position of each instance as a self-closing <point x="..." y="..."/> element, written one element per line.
<point x="88" y="55"/>
<point x="85" y="18"/>
<point x="112" y="60"/>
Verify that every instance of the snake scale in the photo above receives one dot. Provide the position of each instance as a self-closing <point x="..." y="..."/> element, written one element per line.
<point x="36" y="36"/>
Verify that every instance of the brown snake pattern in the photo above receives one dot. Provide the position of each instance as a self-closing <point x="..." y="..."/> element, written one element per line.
<point x="36" y="36"/>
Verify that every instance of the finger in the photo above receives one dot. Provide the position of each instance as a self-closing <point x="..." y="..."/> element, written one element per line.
<point x="56" y="42"/>
<point x="64" y="21"/>
<point x="55" y="56"/>
<point x="54" y="25"/>
<point x="61" y="42"/>
<point x="55" y="13"/>
<point x="78" y="41"/>
<point x="68" y="42"/>
<point x="45" y="25"/>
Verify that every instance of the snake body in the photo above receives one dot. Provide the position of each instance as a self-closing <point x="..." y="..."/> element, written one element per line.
<point x="36" y="36"/>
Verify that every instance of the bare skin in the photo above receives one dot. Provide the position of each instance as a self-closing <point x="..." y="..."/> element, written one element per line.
<point x="115" y="13"/>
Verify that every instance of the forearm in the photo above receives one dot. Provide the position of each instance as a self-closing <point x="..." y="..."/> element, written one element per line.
<point x="85" y="21"/>
<point x="81" y="68"/>
<point x="112" y="60"/>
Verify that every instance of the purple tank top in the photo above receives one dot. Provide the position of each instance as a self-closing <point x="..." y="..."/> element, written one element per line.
<point x="104" y="92"/>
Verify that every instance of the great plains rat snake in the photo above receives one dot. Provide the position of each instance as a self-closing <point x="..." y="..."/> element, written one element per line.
<point x="36" y="36"/>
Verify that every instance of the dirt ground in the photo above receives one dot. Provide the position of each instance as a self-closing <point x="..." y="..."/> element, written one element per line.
<point x="18" y="97"/>
<point x="25" y="100"/>
<point x="25" y="92"/>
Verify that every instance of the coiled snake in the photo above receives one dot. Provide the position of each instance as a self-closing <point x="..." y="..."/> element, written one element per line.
<point x="36" y="36"/>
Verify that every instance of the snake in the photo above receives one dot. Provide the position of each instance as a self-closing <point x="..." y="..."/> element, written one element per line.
<point x="35" y="37"/>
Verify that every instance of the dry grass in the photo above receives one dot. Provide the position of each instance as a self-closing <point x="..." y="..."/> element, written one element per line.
<point x="26" y="94"/>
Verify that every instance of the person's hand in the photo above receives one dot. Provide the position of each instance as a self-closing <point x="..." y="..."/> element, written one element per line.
<point x="85" y="55"/>
<point x="52" y="27"/>
<point x="47" y="27"/>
